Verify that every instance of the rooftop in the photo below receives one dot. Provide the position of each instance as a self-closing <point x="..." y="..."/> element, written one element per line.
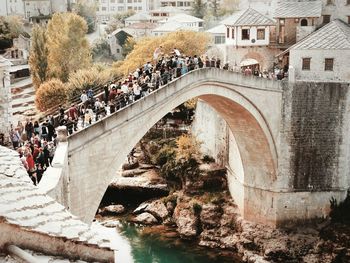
<point x="23" y="206"/>
<point x="298" y="8"/>
<point x="171" y="27"/>
<point x="184" y="18"/>
<point x="334" y="35"/>
<point x="220" y="29"/>
<point x="142" y="16"/>
<point x="248" y="17"/>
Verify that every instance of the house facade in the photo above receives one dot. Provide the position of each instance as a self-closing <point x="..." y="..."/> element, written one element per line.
<point x="107" y="8"/>
<point x="116" y="41"/>
<point x="323" y="56"/>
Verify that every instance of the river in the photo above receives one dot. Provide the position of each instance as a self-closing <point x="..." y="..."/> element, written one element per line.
<point x="139" y="244"/>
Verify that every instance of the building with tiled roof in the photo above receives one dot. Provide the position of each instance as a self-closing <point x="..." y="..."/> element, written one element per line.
<point x="322" y="56"/>
<point x="298" y="9"/>
<point x="295" y="20"/>
<point x="248" y="28"/>
<point x="32" y="220"/>
<point x="178" y="22"/>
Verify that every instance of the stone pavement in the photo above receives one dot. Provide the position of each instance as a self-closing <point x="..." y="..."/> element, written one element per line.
<point x="23" y="206"/>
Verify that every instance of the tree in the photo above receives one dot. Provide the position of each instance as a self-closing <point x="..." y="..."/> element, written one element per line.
<point x="199" y="8"/>
<point x="68" y="47"/>
<point x="188" y="42"/>
<point x="10" y="27"/>
<point x="215" y="9"/>
<point x="128" y="46"/>
<point x="50" y="94"/>
<point x="38" y="56"/>
<point x="87" y="78"/>
<point x="87" y="10"/>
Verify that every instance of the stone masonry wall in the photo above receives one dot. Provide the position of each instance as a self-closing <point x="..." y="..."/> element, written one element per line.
<point x="314" y="120"/>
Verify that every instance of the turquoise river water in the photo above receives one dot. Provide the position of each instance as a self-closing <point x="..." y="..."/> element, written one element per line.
<point x="138" y="244"/>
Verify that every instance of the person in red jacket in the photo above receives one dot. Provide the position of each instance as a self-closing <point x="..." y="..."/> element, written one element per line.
<point x="31" y="166"/>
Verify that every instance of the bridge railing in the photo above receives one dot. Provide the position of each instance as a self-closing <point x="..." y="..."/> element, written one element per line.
<point x="253" y="78"/>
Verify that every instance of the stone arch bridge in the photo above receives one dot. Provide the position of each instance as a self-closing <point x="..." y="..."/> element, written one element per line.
<point x="291" y="150"/>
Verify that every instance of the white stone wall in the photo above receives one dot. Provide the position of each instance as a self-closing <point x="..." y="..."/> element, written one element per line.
<point x="107" y="8"/>
<point x="32" y="8"/>
<point x="252" y="41"/>
<point x="340" y="73"/>
<point x="5" y="98"/>
<point x="338" y="10"/>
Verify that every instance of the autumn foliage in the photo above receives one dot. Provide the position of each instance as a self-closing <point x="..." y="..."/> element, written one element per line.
<point x="50" y="94"/>
<point x="188" y="42"/>
<point x="87" y="78"/>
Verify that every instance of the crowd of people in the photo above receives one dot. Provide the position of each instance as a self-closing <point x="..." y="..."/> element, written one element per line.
<point x="36" y="145"/>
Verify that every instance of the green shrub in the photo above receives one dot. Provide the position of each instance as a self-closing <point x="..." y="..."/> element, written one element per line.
<point x="340" y="212"/>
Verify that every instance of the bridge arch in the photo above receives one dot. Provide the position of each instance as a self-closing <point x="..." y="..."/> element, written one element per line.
<point x="96" y="153"/>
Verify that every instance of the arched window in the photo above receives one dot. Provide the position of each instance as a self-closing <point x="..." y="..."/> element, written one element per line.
<point x="303" y="22"/>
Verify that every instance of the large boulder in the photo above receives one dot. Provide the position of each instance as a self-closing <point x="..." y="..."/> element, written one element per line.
<point x="186" y="221"/>
<point x="112" y="209"/>
<point x="146" y="219"/>
<point x="157" y="208"/>
<point x="210" y="215"/>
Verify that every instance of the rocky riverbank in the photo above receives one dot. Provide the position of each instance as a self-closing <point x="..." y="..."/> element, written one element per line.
<point x="213" y="220"/>
<point x="200" y="208"/>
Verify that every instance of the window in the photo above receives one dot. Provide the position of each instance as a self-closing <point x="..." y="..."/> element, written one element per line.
<point x="129" y="1"/>
<point x="245" y="34"/>
<point x="348" y="2"/>
<point x="104" y="8"/>
<point x="303" y="22"/>
<point x="112" y="1"/>
<point x="261" y="34"/>
<point x="328" y="64"/>
<point x="233" y="33"/>
<point x="330" y="2"/>
<point x="118" y="50"/>
<point x="326" y="19"/>
<point x="112" y="8"/>
<point x="348" y="19"/>
<point x="120" y="1"/>
<point x="120" y="8"/>
<point x="200" y="24"/>
<point x="227" y="32"/>
<point x="219" y="40"/>
<point x="306" y="63"/>
<point x="129" y="7"/>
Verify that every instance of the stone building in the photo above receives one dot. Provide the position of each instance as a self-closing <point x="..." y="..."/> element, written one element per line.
<point x="178" y="22"/>
<point x="323" y="56"/>
<point x="5" y="97"/>
<point x="116" y="41"/>
<point x="30" y="8"/>
<point x="249" y="40"/>
<point x="295" y="20"/>
<point x="106" y="8"/>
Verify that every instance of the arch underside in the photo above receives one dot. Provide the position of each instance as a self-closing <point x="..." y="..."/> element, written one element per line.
<point x="254" y="140"/>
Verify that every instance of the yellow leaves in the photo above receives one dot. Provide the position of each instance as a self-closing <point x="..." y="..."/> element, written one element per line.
<point x="68" y="47"/>
<point x="50" y="94"/>
<point x="87" y="78"/>
<point x="188" y="42"/>
<point x="188" y="147"/>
